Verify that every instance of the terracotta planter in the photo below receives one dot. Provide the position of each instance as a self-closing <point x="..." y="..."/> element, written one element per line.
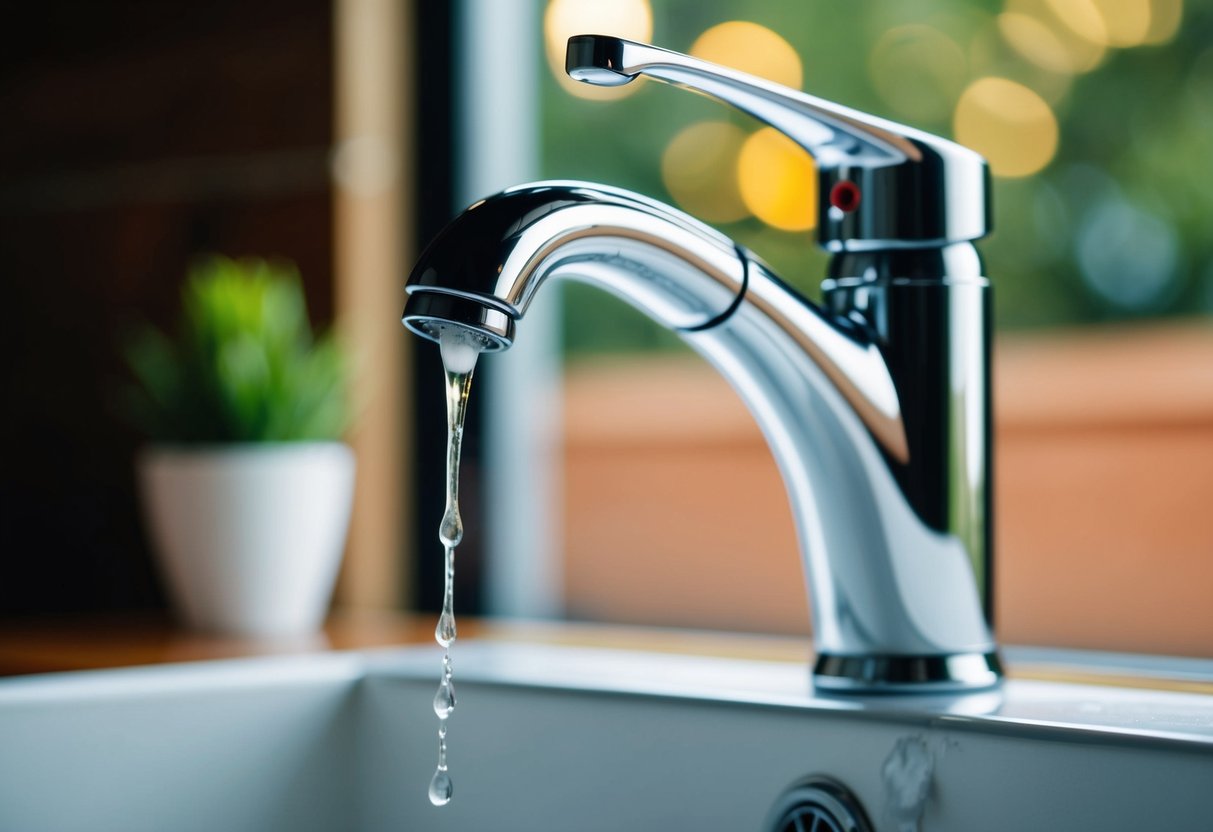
<point x="249" y="537"/>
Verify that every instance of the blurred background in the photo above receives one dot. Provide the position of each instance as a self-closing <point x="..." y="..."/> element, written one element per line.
<point x="618" y="479"/>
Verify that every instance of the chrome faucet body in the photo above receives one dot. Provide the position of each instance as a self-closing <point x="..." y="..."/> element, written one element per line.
<point x="876" y="407"/>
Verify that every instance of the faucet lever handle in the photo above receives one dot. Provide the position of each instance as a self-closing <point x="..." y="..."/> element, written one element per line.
<point x="903" y="186"/>
<point x="831" y="133"/>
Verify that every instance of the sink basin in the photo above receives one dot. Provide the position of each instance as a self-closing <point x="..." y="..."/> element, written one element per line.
<point x="556" y="737"/>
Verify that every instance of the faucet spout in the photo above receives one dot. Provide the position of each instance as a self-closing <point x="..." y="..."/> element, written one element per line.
<point x="678" y="271"/>
<point x="502" y="249"/>
<point x="896" y="592"/>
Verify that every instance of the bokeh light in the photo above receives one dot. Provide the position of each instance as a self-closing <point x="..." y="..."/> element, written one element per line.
<point x="1078" y="28"/>
<point x="751" y="48"/>
<point x="1127" y="254"/>
<point x="918" y="71"/>
<point x="1165" y="17"/>
<point x="778" y="181"/>
<point x="1009" y="124"/>
<point x="1036" y="42"/>
<point x="1082" y="17"/>
<point x="1126" y="22"/>
<point x="697" y="167"/>
<point x="1073" y="35"/>
<point x="632" y="19"/>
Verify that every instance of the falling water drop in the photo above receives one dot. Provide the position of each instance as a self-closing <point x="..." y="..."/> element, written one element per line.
<point x="444" y="633"/>
<point x="459" y="351"/>
<point x="450" y="532"/>
<point x="444" y="699"/>
<point x="441" y="787"/>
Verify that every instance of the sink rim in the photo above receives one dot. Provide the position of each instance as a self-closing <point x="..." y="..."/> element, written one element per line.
<point x="1078" y="698"/>
<point x="1069" y="711"/>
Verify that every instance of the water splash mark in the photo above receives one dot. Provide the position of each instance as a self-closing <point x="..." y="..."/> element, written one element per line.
<point x="907" y="774"/>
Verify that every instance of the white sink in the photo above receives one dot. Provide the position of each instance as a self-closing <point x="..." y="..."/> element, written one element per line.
<point x="548" y="737"/>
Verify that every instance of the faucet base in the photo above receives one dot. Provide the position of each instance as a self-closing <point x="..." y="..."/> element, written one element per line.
<point x="907" y="674"/>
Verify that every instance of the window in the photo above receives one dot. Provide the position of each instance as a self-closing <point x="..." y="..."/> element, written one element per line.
<point x="1096" y="119"/>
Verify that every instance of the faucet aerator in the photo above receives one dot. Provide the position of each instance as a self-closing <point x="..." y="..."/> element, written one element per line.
<point x="429" y="312"/>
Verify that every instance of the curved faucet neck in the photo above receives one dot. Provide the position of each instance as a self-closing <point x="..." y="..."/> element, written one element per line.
<point x="884" y="578"/>
<point x="676" y="270"/>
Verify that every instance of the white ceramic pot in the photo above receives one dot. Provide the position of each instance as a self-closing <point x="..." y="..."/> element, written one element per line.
<point x="249" y="536"/>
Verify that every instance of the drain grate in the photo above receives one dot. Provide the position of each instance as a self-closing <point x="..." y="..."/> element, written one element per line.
<point x="818" y="804"/>
<point x="809" y="819"/>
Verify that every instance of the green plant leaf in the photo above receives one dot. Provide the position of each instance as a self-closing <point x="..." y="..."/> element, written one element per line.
<point x="244" y="366"/>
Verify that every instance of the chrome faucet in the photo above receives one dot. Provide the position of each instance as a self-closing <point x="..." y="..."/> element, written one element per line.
<point x="876" y="407"/>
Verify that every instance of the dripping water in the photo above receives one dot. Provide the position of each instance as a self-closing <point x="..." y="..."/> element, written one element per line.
<point x="460" y="349"/>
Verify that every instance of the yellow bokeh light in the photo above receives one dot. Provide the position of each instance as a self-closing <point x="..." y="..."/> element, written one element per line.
<point x="1035" y="41"/>
<point x="751" y="48"/>
<point x="1127" y="22"/>
<point x="697" y="167"/>
<point x="1009" y="124"/>
<point x="918" y="71"/>
<point x="631" y="19"/>
<point x="1165" y="16"/>
<point x="1084" y="52"/>
<point x="778" y="181"/>
<point x="1082" y="17"/>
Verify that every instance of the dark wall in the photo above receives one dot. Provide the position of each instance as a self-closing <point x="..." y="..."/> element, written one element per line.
<point x="436" y="207"/>
<point x="133" y="136"/>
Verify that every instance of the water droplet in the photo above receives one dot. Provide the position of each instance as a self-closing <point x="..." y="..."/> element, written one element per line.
<point x="451" y="529"/>
<point x="444" y="633"/>
<point x="444" y="699"/>
<point x="459" y="356"/>
<point x="441" y="787"/>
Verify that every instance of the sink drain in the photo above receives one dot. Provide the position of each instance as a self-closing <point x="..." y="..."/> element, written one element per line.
<point x="818" y="804"/>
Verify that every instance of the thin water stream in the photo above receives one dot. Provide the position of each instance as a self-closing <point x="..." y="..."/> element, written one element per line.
<point x="459" y="352"/>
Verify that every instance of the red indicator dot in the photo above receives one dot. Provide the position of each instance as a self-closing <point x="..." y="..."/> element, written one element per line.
<point x="845" y="196"/>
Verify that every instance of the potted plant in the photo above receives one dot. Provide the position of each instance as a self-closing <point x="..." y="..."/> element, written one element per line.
<point x="245" y="486"/>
